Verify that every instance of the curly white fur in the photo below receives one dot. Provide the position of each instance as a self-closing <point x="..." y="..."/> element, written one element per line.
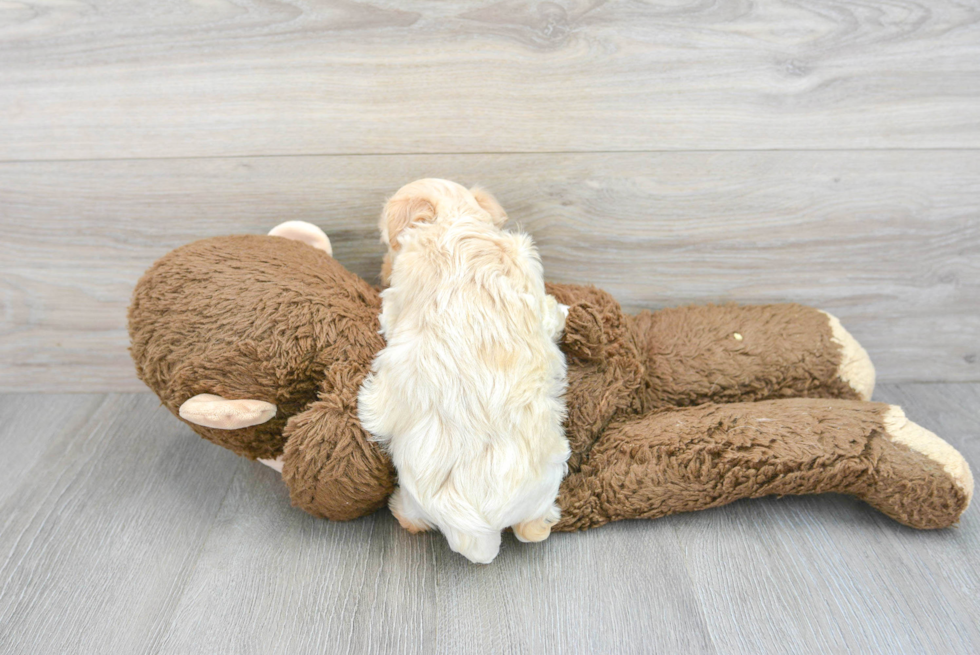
<point x="467" y="394"/>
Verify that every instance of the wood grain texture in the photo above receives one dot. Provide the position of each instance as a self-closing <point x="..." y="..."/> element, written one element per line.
<point x="827" y="574"/>
<point x="299" y="584"/>
<point x="272" y="579"/>
<point x="888" y="241"/>
<point x="822" y="152"/>
<point x="130" y="534"/>
<point x="101" y="532"/>
<point x="30" y="425"/>
<point x="99" y="79"/>
<point x="623" y="591"/>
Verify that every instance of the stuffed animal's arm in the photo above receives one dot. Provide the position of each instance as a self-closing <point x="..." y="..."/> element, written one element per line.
<point x="594" y="323"/>
<point x="604" y="363"/>
<point x="331" y="465"/>
<point x="694" y="458"/>
<point x="730" y="353"/>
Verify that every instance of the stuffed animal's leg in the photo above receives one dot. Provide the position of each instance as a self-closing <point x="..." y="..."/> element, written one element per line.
<point x="731" y="353"/>
<point x="699" y="457"/>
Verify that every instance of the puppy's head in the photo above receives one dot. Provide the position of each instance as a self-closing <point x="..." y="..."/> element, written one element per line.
<point x="431" y="201"/>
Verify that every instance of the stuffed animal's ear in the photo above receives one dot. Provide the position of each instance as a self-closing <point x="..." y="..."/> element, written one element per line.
<point x="400" y="213"/>
<point x="213" y="411"/>
<point x="305" y="232"/>
<point x="490" y="205"/>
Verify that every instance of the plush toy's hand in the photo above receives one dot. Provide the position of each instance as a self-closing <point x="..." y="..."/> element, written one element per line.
<point x="693" y="458"/>
<point x="593" y="321"/>
<point x="604" y="368"/>
<point x="331" y="465"/>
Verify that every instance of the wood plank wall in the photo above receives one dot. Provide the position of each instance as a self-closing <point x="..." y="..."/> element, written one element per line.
<point x="671" y="152"/>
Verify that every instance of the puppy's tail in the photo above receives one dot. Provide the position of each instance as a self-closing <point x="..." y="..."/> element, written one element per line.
<point x="479" y="548"/>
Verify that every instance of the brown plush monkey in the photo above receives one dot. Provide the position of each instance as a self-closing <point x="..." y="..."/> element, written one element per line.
<point x="261" y="342"/>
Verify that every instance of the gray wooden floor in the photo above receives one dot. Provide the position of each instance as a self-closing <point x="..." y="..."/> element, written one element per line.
<point x="123" y="532"/>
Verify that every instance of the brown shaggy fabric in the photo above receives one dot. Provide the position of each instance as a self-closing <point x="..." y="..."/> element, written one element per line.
<point x="277" y="320"/>
<point x="249" y="317"/>
<point x="604" y="365"/>
<point x="692" y="356"/>
<point x="332" y="467"/>
<point x="686" y="459"/>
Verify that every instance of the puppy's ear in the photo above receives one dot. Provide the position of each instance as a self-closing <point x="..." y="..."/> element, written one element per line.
<point x="490" y="205"/>
<point x="402" y="212"/>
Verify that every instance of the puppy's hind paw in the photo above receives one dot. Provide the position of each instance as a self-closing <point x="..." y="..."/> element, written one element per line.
<point x="413" y="527"/>
<point x="407" y="512"/>
<point x="533" y="531"/>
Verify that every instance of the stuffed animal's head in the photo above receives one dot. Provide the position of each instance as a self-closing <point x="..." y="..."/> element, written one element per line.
<point x="256" y="318"/>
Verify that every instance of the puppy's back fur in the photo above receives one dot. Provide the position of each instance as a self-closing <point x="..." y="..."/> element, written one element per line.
<point x="467" y="394"/>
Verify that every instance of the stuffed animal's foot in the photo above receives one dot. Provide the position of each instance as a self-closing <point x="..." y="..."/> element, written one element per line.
<point x="305" y="232"/>
<point x="903" y="431"/>
<point x="213" y="411"/>
<point x="921" y="480"/>
<point x="855" y="368"/>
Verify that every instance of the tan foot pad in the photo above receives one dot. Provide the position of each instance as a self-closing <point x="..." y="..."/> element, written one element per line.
<point x="213" y="411"/>
<point x="532" y="531"/>
<point x="412" y="528"/>
<point x="305" y="232"/>
<point x="914" y="436"/>
<point x="855" y="367"/>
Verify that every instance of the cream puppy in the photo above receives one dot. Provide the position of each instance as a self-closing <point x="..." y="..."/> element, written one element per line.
<point x="467" y="395"/>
